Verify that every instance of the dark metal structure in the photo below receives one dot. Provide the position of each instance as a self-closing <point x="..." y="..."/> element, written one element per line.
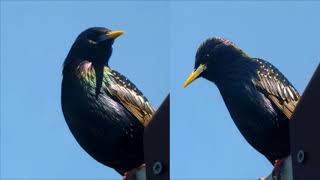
<point x="157" y="142"/>
<point x="305" y="133"/>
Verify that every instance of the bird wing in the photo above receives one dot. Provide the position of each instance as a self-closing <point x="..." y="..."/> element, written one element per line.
<point x="277" y="88"/>
<point x="129" y="96"/>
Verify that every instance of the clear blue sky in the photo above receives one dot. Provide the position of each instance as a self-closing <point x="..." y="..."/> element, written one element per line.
<point x="35" y="39"/>
<point x="157" y="53"/>
<point x="204" y="140"/>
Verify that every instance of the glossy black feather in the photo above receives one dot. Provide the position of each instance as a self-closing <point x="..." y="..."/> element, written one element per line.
<point x="99" y="120"/>
<point x="277" y="88"/>
<point x="258" y="96"/>
<point x="126" y="93"/>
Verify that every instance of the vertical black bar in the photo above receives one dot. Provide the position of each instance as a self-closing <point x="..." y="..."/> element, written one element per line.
<point x="156" y="143"/>
<point x="305" y="132"/>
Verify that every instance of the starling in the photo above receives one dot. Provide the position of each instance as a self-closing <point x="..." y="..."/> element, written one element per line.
<point x="105" y="112"/>
<point x="259" y="98"/>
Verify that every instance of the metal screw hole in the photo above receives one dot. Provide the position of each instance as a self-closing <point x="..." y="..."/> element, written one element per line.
<point x="157" y="168"/>
<point x="300" y="156"/>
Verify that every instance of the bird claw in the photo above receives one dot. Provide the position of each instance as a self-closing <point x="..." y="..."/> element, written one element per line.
<point x="277" y="169"/>
<point x="132" y="174"/>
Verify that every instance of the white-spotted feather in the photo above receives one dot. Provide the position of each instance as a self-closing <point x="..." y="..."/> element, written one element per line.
<point x="130" y="97"/>
<point x="277" y="88"/>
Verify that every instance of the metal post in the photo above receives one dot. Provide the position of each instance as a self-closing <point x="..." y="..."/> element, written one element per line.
<point x="156" y="143"/>
<point x="305" y="132"/>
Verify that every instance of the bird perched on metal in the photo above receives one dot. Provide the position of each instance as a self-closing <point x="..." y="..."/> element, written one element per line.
<point x="105" y="112"/>
<point x="259" y="98"/>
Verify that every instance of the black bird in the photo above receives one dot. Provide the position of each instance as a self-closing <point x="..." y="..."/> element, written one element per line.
<point x="105" y="112"/>
<point x="259" y="98"/>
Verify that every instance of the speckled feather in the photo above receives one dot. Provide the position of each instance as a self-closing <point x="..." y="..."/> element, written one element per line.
<point x="105" y="112"/>
<point x="277" y="88"/>
<point x="121" y="89"/>
<point x="110" y="131"/>
<point x="129" y="96"/>
<point x="259" y="98"/>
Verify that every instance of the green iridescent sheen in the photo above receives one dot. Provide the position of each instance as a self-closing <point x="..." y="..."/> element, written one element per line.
<point x="88" y="77"/>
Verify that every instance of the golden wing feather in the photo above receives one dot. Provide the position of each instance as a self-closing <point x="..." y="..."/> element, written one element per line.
<point x="130" y="97"/>
<point x="277" y="88"/>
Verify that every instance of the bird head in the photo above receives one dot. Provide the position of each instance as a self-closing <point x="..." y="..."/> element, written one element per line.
<point x="213" y="57"/>
<point x="95" y="45"/>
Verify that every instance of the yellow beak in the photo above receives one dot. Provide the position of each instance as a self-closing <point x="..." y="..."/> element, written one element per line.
<point x="194" y="75"/>
<point x="114" y="34"/>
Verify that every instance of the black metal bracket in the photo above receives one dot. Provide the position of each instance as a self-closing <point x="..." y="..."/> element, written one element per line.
<point x="157" y="144"/>
<point x="305" y="132"/>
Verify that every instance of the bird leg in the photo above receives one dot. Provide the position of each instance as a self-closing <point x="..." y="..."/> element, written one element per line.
<point x="277" y="169"/>
<point x="134" y="174"/>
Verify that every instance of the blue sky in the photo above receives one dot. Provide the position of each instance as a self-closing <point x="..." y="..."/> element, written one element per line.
<point x="157" y="53"/>
<point x="35" y="39"/>
<point x="204" y="140"/>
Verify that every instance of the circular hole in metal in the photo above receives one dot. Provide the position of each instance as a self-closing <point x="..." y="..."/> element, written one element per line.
<point x="300" y="156"/>
<point x="157" y="168"/>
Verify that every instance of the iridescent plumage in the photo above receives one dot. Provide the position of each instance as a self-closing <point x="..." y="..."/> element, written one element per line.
<point x="105" y="111"/>
<point x="277" y="88"/>
<point x="259" y="98"/>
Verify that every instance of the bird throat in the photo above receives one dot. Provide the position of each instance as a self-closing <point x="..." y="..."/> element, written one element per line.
<point x="92" y="76"/>
<point x="100" y="62"/>
<point x="99" y="69"/>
